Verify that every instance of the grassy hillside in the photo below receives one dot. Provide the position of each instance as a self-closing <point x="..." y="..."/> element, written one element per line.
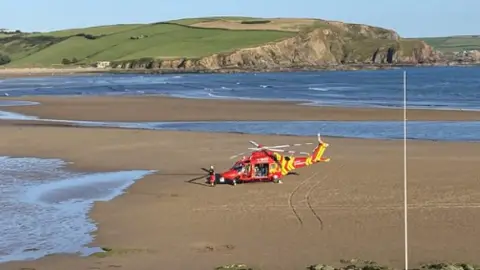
<point x="160" y="41"/>
<point x="454" y="43"/>
<point x="135" y="41"/>
<point x="189" y="38"/>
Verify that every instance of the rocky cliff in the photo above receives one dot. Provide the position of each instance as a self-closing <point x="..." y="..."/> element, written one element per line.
<point x="337" y="44"/>
<point x="464" y="57"/>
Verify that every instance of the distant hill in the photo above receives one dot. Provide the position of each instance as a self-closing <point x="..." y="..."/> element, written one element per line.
<point x="216" y="42"/>
<point x="454" y="43"/>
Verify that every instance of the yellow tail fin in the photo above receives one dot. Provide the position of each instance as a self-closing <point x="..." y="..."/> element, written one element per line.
<point x="317" y="155"/>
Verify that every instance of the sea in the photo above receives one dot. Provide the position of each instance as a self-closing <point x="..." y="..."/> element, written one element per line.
<point x="427" y="87"/>
<point x="45" y="206"/>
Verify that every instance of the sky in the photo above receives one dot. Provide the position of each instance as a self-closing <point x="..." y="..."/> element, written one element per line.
<point x="410" y="18"/>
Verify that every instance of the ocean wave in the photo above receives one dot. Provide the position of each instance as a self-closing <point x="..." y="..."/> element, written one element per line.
<point x="318" y="89"/>
<point x="457" y="89"/>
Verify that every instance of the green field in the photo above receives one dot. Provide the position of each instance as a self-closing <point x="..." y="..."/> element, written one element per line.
<point x="454" y="43"/>
<point x="190" y="21"/>
<point x="129" y="42"/>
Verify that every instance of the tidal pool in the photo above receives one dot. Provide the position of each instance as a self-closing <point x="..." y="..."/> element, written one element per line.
<point x="45" y="207"/>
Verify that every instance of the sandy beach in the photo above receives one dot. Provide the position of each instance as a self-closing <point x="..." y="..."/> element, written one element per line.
<point x="348" y="208"/>
<point x="40" y="72"/>
<point x="156" y="108"/>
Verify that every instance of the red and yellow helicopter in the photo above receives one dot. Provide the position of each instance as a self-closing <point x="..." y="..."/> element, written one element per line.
<point x="266" y="164"/>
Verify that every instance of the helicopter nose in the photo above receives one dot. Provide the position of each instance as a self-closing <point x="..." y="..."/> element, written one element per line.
<point x="230" y="174"/>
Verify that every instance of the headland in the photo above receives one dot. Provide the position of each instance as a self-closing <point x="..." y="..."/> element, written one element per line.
<point x="229" y="44"/>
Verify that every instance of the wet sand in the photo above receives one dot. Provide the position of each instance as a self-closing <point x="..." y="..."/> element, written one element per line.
<point x="348" y="208"/>
<point x="178" y="109"/>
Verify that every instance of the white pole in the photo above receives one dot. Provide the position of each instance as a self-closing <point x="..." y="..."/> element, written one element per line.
<point x="405" y="206"/>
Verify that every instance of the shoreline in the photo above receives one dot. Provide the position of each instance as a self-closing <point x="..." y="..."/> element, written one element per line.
<point x="6" y="73"/>
<point x="340" y="67"/>
<point x="60" y="71"/>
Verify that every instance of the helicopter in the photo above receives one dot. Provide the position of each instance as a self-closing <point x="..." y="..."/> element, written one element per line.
<point x="265" y="164"/>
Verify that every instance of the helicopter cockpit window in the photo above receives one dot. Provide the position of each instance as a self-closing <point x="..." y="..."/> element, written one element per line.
<point x="238" y="167"/>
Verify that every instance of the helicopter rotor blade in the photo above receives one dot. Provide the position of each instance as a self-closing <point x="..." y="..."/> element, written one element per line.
<point x="278" y="146"/>
<point x="290" y="152"/>
<point x="300" y="153"/>
<point x="275" y="150"/>
<point x="254" y="143"/>
<point x="266" y="148"/>
<point x="289" y="145"/>
<point x="238" y="155"/>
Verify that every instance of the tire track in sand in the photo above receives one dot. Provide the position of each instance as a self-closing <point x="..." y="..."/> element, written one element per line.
<point x="312" y="188"/>
<point x="307" y="196"/>
<point x="290" y="198"/>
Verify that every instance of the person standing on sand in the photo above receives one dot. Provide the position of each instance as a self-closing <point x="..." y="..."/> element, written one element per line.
<point x="211" y="171"/>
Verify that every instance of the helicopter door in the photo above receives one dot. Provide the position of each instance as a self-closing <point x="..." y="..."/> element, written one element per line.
<point x="248" y="170"/>
<point x="261" y="170"/>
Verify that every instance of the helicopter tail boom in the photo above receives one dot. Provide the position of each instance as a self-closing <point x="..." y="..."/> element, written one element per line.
<point x="315" y="157"/>
<point x="289" y="163"/>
